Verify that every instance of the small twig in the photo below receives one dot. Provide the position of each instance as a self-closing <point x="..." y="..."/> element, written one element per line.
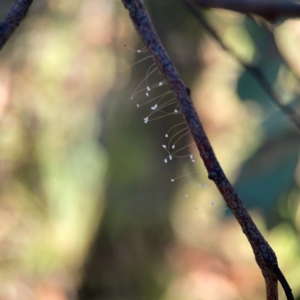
<point x="254" y="70"/>
<point x="269" y="10"/>
<point x="264" y="254"/>
<point x="283" y="282"/>
<point x="12" y="20"/>
<point x="269" y="29"/>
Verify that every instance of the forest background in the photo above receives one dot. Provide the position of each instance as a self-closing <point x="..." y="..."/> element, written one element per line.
<point x="87" y="207"/>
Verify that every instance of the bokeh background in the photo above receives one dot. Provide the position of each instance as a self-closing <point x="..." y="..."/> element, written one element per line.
<point x="87" y="208"/>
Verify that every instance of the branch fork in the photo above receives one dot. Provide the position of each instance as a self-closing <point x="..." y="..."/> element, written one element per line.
<point x="264" y="254"/>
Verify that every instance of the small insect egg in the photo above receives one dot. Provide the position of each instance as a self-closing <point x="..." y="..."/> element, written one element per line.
<point x="172" y="180"/>
<point x="137" y="105"/>
<point x="148" y="88"/>
<point x="165" y="160"/>
<point x="147" y="94"/>
<point x="166" y="135"/>
<point x="173" y="146"/>
<point x="164" y="146"/>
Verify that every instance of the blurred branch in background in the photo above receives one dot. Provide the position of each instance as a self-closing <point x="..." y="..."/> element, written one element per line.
<point x="13" y="19"/>
<point x="54" y="74"/>
<point x="251" y="68"/>
<point x="267" y="9"/>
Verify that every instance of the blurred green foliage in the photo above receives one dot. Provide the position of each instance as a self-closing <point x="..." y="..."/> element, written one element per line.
<point x="87" y="208"/>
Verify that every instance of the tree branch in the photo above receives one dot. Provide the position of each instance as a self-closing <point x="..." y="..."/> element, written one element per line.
<point x="264" y="254"/>
<point x="12" y="20"/>
<point x="254" y="70"/>
<point x="284" y="283"/>
<point x="269" y="29"/>
<point x="267" y="9"/>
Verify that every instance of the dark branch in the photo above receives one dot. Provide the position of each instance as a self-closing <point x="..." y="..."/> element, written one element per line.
<point x="269" y="10"/>
<point x="254" y="70"/>
<point x="269" y="30"/>
<point x="12" y="20"/>
<point x="284" y="283"/>
<point x="264" y="254"/>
